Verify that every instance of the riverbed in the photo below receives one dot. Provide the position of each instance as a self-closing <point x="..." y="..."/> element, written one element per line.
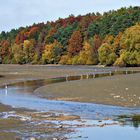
<point x="40" y="118"/>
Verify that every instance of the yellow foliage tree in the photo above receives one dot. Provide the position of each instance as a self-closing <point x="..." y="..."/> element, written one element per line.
<point x="18" y="54"/>
<point x="28" y="50"/>
<point x="131" y="42"/>
<point x="51" y="54"/>
<point x="107" y="54"/>
<point x="85" y="56"/>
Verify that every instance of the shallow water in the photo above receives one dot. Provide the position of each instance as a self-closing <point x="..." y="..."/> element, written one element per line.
<point x="107" y="133"/>
<point x="16" y="96"/>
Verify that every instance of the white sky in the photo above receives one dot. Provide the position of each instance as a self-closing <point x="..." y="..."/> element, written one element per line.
<point x="16" y="13"/>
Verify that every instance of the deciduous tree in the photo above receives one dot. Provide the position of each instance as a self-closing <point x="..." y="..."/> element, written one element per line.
<point x="75" y="43"/>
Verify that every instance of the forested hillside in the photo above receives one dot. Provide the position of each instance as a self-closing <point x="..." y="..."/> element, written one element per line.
<point x="112" y="38"/>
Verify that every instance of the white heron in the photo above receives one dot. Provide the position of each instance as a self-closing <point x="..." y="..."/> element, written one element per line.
<point x="6" y="90"/>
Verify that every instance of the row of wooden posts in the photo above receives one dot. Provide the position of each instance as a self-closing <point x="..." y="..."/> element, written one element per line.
<point x="93" y="75"/>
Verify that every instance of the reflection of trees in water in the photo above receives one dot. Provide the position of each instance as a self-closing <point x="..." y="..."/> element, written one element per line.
<point x="31" y="85"/>
<point x="130" y="120"/>
<point x="136" y="121"/>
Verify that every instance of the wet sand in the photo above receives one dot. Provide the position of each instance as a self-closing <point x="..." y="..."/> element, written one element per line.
<point x="17" y="73"/>
<point x="24" y="72"/>
<point x="8" y="136"/>
<point x="120" y="90"/>
<point x="5" y="122"/>
<point x="4" y="108"/>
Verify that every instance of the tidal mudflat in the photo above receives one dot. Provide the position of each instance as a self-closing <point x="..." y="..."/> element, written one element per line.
<point x="120" y="90"/>
<point x="28" y="113"/>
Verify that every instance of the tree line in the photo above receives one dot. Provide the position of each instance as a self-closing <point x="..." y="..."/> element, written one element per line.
<point x="111" y="38"/>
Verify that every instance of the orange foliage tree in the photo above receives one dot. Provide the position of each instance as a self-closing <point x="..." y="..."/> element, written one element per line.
<point x="75" y="43"/>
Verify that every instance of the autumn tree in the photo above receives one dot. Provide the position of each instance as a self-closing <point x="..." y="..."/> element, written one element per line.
<point x="18" y="54"/>
<point x="108" y="39"/>
<point x="21" y="36"/>
<point x="28" y="50"/>
<point x="50" y="36"/>
<point x="36" y="57"/>
<point x="130" y="55"/>
<point x="33" y="32"/>
<point x="5" y="51"/>
<point x="116" y="44"/>
<point x="107" y="54"/>
<point x="86" y="55"/>
<point x="52" y="53"/>
<point x="75" y="43"/>
<point x="64" y="59"/>
<point x="83" y="25"/>
<point x="95" y="43"/>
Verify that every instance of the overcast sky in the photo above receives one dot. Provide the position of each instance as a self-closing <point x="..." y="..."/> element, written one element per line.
<point x="16" y="13"/>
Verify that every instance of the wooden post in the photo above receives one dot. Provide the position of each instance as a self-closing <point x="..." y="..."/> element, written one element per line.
<point x="87" y="76"/>
<point x="67" y="78"/>
<point x="81" y="77"/>
<point x="93" y="75"/>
